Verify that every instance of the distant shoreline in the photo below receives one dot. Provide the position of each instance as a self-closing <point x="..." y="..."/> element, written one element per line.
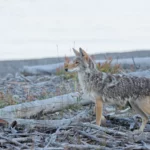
<point x="13" y="66"/>
<point x="126" y="54"/>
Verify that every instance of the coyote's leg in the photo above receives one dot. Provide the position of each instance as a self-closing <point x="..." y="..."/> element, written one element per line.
<point x="103" y="119"/>
<point x="139" y="110"/>
<point x="99" y="109"/>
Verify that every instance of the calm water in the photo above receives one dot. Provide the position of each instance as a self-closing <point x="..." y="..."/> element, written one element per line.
<point x="48" y="28"/>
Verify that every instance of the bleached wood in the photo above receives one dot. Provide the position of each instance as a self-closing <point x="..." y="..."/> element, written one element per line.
<point x="54" y="104"/>
<point x="54" y="124"/>
<point x="41" y="69"/>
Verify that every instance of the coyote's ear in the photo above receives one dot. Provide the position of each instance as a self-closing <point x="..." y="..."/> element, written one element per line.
<point x="87" y="58"/>
<point x="76" y="52"/>
<point x="83" y="54"/>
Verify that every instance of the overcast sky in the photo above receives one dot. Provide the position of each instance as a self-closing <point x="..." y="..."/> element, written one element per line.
<point x="34" y="28"/>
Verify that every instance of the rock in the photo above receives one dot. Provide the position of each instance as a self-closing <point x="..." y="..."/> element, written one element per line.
<point x="9" y="76"/>
<point x="16" y="98"/>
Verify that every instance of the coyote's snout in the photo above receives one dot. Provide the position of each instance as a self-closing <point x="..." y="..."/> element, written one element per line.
<point x="107" y="88"/>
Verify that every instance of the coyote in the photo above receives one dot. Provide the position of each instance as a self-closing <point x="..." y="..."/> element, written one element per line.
<point x="111" y="88"/>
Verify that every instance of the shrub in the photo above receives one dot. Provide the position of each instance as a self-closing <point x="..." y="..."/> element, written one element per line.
<point x="108" y="67"/>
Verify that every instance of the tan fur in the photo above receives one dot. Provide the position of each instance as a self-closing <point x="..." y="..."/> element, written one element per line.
<point x="145" y="104"/>
<point x="99" y="110"/>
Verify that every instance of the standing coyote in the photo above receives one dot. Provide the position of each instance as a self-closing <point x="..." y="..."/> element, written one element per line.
<point x="108" y="88"/>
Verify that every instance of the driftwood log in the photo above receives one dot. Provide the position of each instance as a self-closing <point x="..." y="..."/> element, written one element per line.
<point x="54" y="104"/>
<point x="40" y="69"/>
<point x="51" y="124"/>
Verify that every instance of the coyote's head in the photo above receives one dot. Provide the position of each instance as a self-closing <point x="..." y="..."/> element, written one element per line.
<point x="82" y="62"/>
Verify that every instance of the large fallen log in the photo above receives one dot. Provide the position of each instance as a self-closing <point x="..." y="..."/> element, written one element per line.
<point x="40" y="69"/>
<point x="54" y="104"/>
<point x="53" y="124"/>
<point x="145" y="73"/>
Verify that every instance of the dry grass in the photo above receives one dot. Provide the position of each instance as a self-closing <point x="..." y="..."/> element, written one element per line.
<point x="6" y="99"/>
<point x="108" y="67"/>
